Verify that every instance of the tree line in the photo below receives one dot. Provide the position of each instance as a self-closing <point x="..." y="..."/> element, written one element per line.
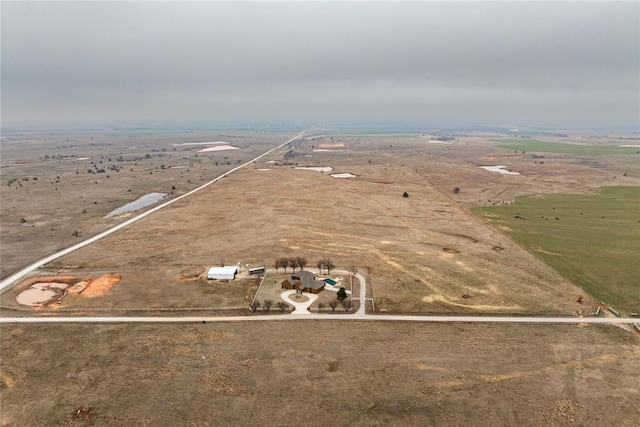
<point x="268" y="304"/>
<point x="301" y="263"/>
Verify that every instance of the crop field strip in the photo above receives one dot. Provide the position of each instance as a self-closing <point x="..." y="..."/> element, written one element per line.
<point x="535" y="145"/>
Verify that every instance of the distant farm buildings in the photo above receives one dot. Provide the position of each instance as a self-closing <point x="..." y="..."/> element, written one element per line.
<point x="304" y="281"/>
<point x="222" y="273"/>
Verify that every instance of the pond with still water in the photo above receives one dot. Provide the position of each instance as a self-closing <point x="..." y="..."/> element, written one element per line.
<point x="142" y="202"/>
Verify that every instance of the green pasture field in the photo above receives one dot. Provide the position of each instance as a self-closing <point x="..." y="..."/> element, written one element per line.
<point x="593" y="240"/>
<point x="561" y="148"/>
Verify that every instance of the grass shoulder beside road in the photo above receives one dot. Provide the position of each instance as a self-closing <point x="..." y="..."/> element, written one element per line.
<point x="591" y="239"/>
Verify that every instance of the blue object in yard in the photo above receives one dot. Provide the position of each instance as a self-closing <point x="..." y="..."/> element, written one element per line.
<point x="330" y="282"/>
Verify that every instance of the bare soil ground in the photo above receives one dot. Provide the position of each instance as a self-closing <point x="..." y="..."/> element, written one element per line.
<point x="318" y="373"/>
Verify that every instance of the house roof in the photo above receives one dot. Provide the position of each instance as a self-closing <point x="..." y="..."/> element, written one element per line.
<point x="316" y="284"/>
<point x="223" y="270"/>
<point x="290" y="282"/>
<point x="308" y="280"/>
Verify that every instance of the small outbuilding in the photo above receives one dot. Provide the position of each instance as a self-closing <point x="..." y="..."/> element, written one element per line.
<point x="222" y="273"/>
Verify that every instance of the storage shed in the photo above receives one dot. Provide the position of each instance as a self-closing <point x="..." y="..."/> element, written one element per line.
<point x="222" y="273"/>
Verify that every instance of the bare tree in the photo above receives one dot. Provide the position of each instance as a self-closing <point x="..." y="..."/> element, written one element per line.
<point x="320" y="305"/>
<point x="284" y="263"/>
<point x="255" y="305"/>
<point x="329" y="265"/>
<point x="302" y="263"/>
<point x="282" y="305"/>
<point x="293" y="263"/>
<point x="347" y="304"/>
<point x="268" y="303"/>
<point x="276" y="264"/>
<point x="456" y="190"/>
<point x="320" y="264"/>
<point x="333" y="304"/>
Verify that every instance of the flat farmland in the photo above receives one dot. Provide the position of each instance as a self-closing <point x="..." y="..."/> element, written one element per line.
<point x="57" y="187"/>
<point x="572" y="147"/>
<point x="425" y="253"/>
<point x="318" y="373"/>
<point x="592" y="239"/>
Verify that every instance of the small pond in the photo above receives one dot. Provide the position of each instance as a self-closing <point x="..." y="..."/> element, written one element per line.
<point x="142" y="202"/>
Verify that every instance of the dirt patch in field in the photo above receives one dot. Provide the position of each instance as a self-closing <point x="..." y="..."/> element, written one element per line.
<point x="42" y="291"/>
<point x="450" y="251"/>
<point x="101" y="286"/>
<point x="498" y="248"/>
<point x="192" y="273"/>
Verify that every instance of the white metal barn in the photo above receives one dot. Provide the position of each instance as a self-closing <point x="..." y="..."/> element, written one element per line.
<point x="222" y="273"/>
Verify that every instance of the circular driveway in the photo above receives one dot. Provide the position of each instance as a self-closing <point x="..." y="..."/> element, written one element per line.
<point x="300" y="307"/>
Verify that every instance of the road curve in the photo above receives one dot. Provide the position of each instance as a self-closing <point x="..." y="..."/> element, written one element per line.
<point x="20" y="274"/>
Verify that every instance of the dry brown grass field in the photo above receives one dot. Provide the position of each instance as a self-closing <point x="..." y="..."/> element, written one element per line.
<point x="315" y="373"/>
<point x="425" y="253"/>
<point x="47" y="192"/>
<point x="420" y="254"/>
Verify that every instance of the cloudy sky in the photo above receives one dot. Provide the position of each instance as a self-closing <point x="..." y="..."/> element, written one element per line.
<point x="433" y="63"/>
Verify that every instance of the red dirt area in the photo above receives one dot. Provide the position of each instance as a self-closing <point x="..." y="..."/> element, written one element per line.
<point x="100" y="286"/>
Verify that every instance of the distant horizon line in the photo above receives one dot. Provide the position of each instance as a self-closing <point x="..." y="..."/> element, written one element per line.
<point x="344" y="125"/>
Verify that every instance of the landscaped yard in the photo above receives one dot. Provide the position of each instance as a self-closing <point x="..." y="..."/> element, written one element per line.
<point x="272" y="289"/>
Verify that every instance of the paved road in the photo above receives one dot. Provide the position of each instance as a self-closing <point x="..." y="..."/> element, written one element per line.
<point x="363" y="294"/>
<point x="311" y="316"/>
<point x="20" y="274"/>
<point x="358" y="315"/>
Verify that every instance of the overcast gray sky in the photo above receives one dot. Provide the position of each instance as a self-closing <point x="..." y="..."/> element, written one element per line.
<point x="492" y="63"/>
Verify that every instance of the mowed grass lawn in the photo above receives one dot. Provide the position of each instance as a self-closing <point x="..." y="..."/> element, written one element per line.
<point x="561" y="148"/>
<point x="593" y="240"/>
